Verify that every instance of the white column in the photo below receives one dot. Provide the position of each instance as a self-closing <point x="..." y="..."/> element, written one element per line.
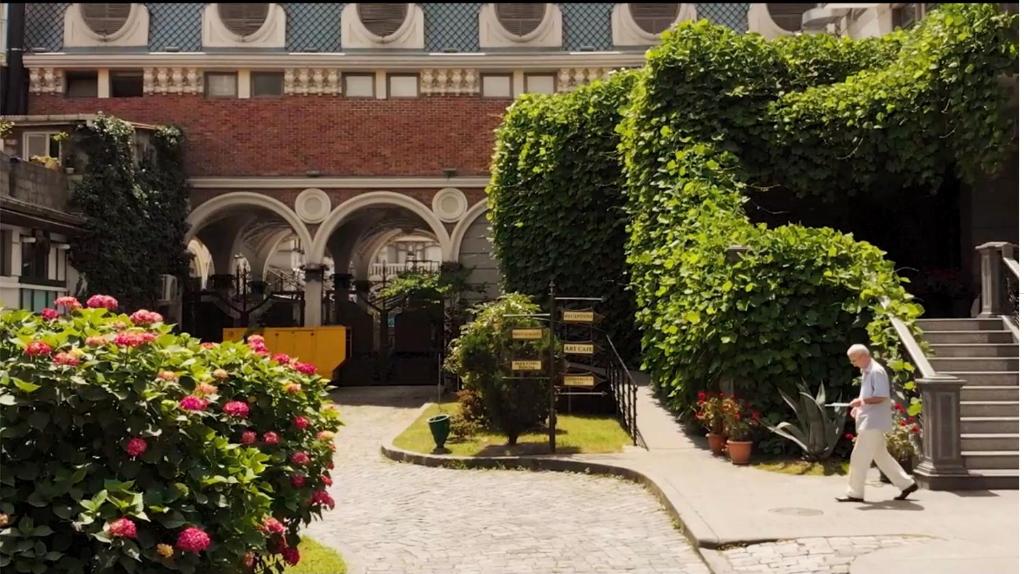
<point x="314" y="294"/>
<point x="518" y="83"/>
<point x="380" y="88"/>
<point x="244" y="84"/>
<point x="103" y="83"/>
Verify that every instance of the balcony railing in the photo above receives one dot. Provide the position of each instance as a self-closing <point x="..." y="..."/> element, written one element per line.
<point x="388" y="271"/>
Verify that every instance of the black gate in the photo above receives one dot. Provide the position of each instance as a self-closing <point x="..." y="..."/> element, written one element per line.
<point x="238" y="301"/>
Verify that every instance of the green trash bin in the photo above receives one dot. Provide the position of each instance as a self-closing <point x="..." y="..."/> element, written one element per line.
<point x="440" y="426"/>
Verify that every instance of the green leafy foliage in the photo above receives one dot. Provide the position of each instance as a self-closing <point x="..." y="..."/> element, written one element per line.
<point x="818" y="427"/>
<point x="482" y="357"/>
<point x="555" y="199"/>
<point x="95" y="430"/>
<point x="135" y="213"/>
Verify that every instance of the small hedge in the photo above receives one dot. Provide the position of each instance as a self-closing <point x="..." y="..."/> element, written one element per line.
<point x="127" y="448"/>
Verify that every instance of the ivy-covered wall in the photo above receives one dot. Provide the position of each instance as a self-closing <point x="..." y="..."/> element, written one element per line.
<point x="713" y="118"/>
<point x="135" y="226"/>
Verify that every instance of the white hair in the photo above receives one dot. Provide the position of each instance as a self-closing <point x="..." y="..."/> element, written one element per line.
<point x="858" y="349"/>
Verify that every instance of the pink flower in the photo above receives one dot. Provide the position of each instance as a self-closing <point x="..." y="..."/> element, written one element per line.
<point x="298" y="481"/>
<point x="325" y="435"/>
<point x="256" y="340"/>
<point x="293" y="388"/>
<point x="95" y="341"/>
<point x="193" y="540"/>
<point x="249" y="560"/>
<point x="65" y="359"/>
<point x="327" y="480"/>
<point x="300" y="458"/>
<point x="272" y="526"/>
<point x="330" y="464"/>
<point x="204" y="389"/>
<point x="301" y="423"/>
<point x="291" y="555"/>
<point x="136" y="447"/>
<point x="282" y="359"/>
<point x="220" y="373"/>
<point x="208" y="345"/>
<point x="144" y="318"/>
<point x="49" y="314"/>
<point x="305" y="368"/>
<point x="237" y="409"/>
<point x="102" y="301"/>
<point x="122" y="528"/>
<point x="248" y="437"/>
<point x="131" y="340"/>
<point x="270" y="438"/>
<point x="68" y="303"/>
<point x="320" y="497"/>
<point x="168" y="376"/>
<point x="148" y="337"/>
<point x="37" y="349"/>
<point x="192" y="403"/>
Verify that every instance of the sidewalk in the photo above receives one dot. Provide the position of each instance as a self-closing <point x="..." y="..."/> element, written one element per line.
<point x="721" y="503"/>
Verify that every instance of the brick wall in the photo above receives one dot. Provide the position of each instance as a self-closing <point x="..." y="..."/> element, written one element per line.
<point x="336" y="136"/>
<point x="34" y="184"/>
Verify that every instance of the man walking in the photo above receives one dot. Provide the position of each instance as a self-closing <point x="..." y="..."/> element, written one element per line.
<point x="873" y="413"/>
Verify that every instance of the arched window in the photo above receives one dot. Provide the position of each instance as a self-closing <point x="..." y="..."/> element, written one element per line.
<point x="105" y="19"/>
<point x="789" y="17"/>
<point x="382" y="19"/>
<point x="654" y="18"/>
<point x="520" y="19"/>
<point x="243" y="19"/>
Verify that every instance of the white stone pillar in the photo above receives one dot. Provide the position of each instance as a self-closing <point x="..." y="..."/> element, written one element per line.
<point x="314" y="294"/>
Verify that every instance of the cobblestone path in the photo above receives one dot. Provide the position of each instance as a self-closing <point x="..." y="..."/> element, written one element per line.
<point x="831" y="555"/>
<point x="401" y="518"/>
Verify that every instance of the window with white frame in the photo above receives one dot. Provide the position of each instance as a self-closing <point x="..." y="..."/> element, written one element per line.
<point x="382" y="20"/>
<point x="267" y="84"/>
<point x="403" y="85"/>
<point x="93" y="24"/>
<point x="41" y="143"/>
<point x="519" y="18"/>
<point x="654" y="18"/>
<point x="81" y="84"/>
<point x="359" y="85"/>
<point x="105" y="19"/>
<point x="517" y="24"/>
<point x="243" y="19"/>
<point x="540" y="83"/>
<point x="229" y="25"/>
<point x="396" y="25"/>
<point x="496" y="85"/>
<point x="221" y="84"/>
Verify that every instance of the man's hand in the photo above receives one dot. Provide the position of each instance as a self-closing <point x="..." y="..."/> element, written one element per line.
<point x="854" y="412"/>
<point x="856" y="403"/>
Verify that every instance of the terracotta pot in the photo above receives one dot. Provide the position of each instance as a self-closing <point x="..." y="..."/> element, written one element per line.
<point x="739" y="451"/>
<point x="716" y="443"/>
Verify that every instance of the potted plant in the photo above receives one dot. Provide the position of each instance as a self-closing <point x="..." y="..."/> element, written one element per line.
<point x="902" y="440"/>
<point x="738" y="428"/>
<point x="709" y="413"/>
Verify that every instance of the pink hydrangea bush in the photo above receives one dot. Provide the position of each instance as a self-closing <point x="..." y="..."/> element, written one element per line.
<point x="125" y="443"/>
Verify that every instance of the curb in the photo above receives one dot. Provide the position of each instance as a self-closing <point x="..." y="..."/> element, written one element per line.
<point x="693" y="527"/>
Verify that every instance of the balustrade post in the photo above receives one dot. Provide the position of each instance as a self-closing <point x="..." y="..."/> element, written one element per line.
<point x="993" y="288"/>
<point x="942" y="464"/>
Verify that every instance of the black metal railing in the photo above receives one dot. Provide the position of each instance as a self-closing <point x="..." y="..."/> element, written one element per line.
<point x="624" y="390"/>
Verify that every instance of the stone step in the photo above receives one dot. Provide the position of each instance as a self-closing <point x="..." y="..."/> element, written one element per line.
<point x="979" y="425"/>
<point x="975" y="350"/>
<point x="966" y="337"/>
<point x="990" y="441"/>
<point x="928" y="325"/>
<point x="993" y="393"/>
<point x="987" y="378"/>
<point x="989" y="408"/>
<point x="946" y="364"/>
<point x="991" y="459"/>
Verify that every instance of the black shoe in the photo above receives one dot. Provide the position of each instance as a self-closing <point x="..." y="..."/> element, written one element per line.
<point x="906" y="492"/>
<point x="848" y="499"/>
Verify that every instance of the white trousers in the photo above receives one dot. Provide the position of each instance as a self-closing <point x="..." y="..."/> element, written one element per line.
<point x="870" y="446"/>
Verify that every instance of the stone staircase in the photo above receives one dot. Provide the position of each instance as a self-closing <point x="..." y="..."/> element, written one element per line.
<point x="983" y="353"/>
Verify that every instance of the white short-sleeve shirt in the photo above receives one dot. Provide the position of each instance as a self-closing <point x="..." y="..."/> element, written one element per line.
<point x="875" y="383"/>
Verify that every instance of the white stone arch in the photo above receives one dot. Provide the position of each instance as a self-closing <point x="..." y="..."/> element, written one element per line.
<point x="375" y="199"/>
<point x="205" y="212"/>
<point x="459" y="233"/>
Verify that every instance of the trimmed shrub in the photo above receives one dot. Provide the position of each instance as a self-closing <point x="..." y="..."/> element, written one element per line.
<point x="127" y="448"/>
<point x="482" y="356"/>
<point x="555" y="200"/>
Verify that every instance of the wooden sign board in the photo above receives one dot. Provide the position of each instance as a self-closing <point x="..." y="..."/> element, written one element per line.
<point x="578" y="348"/>
<point x="527" y="334"/>
<point x="527" y="366"/>
<point x="578" y="380"/>
<point x="578" y="316"/>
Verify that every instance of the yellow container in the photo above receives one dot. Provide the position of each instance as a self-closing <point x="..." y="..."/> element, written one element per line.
<point x="321" y="346"/>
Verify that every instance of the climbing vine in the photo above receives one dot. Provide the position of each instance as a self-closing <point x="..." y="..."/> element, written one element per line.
<point x="135" y="211"/>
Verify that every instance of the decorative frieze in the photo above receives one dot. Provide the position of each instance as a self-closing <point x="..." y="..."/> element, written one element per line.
<point x="172" y="80"/>
<point x="571" y="78"/>
<point x="449" y="81"/>
<point x="46" y="80"/>
<point x="312" y="81"/>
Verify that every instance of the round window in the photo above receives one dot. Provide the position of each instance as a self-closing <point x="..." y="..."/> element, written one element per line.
<point x="789" y="17"/>
<point x="243" y="19"/>
<point x="520" y="19"/>
<point x="654" y="18"/>
<point x="105" y="19"/>
<point x="382" y="20"/>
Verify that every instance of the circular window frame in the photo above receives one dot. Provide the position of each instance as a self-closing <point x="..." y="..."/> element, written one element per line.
<point x="687" y="11"/>
<point x="258" y="34"/>
<point x="438" y="200"/>
<point x="545" y="23"/>
<point x="410" y="8"/>
<point x="133" y="15"/>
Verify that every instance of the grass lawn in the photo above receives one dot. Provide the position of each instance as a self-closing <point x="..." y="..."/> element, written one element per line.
<point x="830" y="467"/>
<point x="575" y="434"/>
<point x="317" y="559"/>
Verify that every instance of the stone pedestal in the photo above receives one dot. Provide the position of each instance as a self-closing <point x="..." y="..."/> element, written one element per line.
<point x="942" y="464"/>
<point x="993" y="283"/>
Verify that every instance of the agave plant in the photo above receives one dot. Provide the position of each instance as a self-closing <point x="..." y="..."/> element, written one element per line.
<point x="818" y="427"/>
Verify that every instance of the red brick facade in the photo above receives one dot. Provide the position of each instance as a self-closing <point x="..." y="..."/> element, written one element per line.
<point x="291" y="135"/>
